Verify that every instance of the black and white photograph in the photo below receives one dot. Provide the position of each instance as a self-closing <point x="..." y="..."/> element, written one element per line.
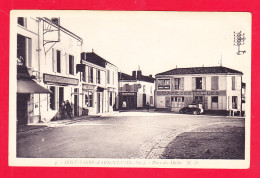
<point x="130" y="89"/>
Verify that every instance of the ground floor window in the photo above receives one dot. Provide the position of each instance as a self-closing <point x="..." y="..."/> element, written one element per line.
<point x="111" y="98"/>
<point x="234" y="102"/>
<point x="89" y="99"/>
<point x="198" y="99"/>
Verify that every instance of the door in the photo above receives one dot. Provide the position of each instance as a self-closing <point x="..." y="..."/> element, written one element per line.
<point x="61" y="95"/>
<point x="144" y="100"/>
<point x="214" y="103"/>
<point x="98" y="103"/>
<point x="22" y="115"/>
<point x="75" y="105"/>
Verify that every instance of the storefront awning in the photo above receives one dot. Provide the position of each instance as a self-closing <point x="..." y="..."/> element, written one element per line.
<point x="27" y="86"/>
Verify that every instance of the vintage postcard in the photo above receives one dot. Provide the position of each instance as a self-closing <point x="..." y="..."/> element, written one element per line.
<point x="130" y="89"/>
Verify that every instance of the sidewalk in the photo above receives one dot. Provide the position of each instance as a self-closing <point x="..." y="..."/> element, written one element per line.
<point x="48" y="125"/>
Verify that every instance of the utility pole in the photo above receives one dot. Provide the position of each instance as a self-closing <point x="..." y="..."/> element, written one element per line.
<point x="239" y="39"/>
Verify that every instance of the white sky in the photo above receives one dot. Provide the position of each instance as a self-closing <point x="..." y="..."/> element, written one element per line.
<point x="158" y="41"/>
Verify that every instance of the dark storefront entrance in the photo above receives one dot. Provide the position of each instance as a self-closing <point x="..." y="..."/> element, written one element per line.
<point x="22" y="108"/>
<point x="129" y="98"/>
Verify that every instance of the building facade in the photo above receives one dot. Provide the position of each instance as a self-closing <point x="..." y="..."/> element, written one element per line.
<point x="216" y="88"/>
<point x="136" y="90"/>
<point x="99" y="84"/>
<point x="50" y="54"/>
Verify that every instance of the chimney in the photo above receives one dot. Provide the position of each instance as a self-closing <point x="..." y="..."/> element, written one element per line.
<point x="134" y="74"/>
<point x="139" y="74"/>
<point x="55" y="20"/>
<point x="83" y="56"/>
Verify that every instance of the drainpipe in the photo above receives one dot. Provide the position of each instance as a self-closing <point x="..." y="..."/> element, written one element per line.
<point x="39" y="68"/>
<point x="241" y="97"/>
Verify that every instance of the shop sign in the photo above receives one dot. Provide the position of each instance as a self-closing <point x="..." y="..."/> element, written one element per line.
<point x="60" y="80"/>
<point x="195" y="93"/>
<point x="88" y="87"/>
<point x="128" y="94"/>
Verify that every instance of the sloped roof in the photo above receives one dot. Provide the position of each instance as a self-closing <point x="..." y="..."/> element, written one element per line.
<point x="96" y="59"/>
<point x="124" y="76"/>
<point x="201" y="70"/>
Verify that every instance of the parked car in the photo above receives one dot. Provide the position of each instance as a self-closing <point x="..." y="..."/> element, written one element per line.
<point x="192" y="109"/>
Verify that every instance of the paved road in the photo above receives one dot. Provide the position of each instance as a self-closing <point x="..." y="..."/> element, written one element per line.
<point x="122" y="135"/>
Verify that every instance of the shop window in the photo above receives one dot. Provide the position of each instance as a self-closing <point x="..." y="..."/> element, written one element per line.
<point x="214" y="83"/>
<point x="21" y="21"/>
<point x="198" y="99"/>
<point x="58" y="61"/>
<point x="71" y="64"/>
<point x="234" y="102"/>
<point x="24" y="51"/>
<point x="163" y="84"/>
<point x="198" y="82"/>
<point x="89" y="99"/>
<point x="214" y="99"/>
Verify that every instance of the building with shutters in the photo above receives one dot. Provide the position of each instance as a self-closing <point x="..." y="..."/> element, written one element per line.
<point x="218" y="89"/>
<point x="135" y="90"/>
<point x="99" y="84"/>
<point x="50" y="54"/>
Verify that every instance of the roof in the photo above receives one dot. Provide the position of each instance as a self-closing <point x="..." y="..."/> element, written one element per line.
<point x="124" y="76"/>
<point x="201" y="70"/>
<point x="96" y="59"/>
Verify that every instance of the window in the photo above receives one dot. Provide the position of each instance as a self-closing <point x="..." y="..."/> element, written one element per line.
<point x="90" y="75"/>
<point x="198" y="99"/>
<point x="198" y="82"/>
<point x="214" y="83"/>
<point x="176" y="83"/>
<point x="111" y="99"/>
<point x="108" y="77"/>
<point x="21" y="21"/>
<point x="58" y="61"/>
<point x="71" y="64"/>
<point x="182" y="99"/>
<point x="24" y="50"/>
<point x="164" y="83"/>
<point x="233" y="83"/>
<point x="98" y="76"/>
<point x="89" y="99"/>
<point x="214" y="99"/>
<point x="234" y="102"/>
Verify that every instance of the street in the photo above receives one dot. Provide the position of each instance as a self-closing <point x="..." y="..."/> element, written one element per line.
<point x="136" y="134"/>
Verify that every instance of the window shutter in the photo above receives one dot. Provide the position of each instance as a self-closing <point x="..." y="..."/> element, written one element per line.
<point x="233" y="83"/>
<point x="182" y="83"/>
<point x="193" y="83"/>
<point x="66" y="63"/>
<point x="173" y="83"/>
<point x="54" y="60"/>
<point x="203" y="83"/>
<point x="214" y="82"/>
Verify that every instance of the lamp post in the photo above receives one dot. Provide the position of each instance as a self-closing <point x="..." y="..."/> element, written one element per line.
<point x="239" y="39"/>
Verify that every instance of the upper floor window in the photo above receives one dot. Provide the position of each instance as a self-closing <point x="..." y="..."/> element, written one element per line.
<point x="164" y="83"/>
<point x="233" y="83"/>
<point x="90" y="75"/>
<point x="58" y="61"/>
<point x="108" y="77"/>
<point x="98" y="76"/>
<point x="214" y="83"/>
<point x="21" y="21"/>
<point x="71" y="64"/>
<point x="198" y="82"/>
<point x="24" y="50"/>
<point x="177" y="83"/>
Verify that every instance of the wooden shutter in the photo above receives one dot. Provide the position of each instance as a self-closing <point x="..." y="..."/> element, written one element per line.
<point x="203" y="83"/>
<point x="214" y="82"/>
<point x="54" y="67"/>
<point x="182" y="83"/>
<point x="193" y="83"/>
<point x="233" y="83"/>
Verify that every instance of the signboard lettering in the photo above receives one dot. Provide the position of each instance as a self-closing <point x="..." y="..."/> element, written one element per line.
<point x="194" y="93"/>
<point x="60" y="80"/>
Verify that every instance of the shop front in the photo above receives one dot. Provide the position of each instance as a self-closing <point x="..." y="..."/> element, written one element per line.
<point x="63" y="89"/>
<point x="129" y="99"/>
<point x="175" y="100"/>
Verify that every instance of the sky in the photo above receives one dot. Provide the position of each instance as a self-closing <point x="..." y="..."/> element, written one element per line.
<point x="161" y="41"/>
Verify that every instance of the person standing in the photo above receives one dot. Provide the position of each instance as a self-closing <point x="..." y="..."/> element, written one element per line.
<point x="147" y="106"/>
<point x="68" y="109"/>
